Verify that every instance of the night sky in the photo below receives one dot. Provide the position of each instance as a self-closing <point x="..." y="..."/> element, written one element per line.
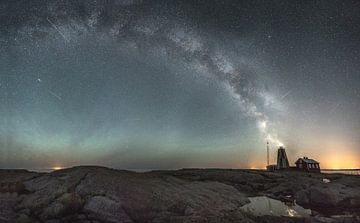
<point x="169" y="84"/>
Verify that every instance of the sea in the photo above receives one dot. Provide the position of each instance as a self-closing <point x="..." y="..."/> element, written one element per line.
<point x="349" y="172"/>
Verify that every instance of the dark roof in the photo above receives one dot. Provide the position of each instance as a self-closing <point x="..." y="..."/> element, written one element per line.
<point x="307" y="160"/>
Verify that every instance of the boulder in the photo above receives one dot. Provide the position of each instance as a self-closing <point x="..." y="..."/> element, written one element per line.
<point x="324" y="197"/>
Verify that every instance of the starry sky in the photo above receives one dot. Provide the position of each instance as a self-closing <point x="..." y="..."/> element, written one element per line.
<point x="187" y="83"/>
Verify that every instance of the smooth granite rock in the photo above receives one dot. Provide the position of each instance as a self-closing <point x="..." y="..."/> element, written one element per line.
<point x="98" y="194"/>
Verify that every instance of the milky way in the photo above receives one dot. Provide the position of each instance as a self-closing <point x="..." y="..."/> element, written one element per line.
<point x="154" y="84"/>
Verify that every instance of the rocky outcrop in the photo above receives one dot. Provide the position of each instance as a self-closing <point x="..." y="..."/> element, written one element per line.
<point x="106" y="195"/>
<point x="330" y="196"/>
<point x="97" y="194"/>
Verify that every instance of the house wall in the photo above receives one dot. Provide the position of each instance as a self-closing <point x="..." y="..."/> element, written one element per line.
<point x="306" y="167"/>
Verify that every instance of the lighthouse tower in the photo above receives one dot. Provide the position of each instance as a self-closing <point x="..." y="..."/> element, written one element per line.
<point x="282" y="161"/>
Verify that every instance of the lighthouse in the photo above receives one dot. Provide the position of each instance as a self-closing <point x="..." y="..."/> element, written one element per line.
<point x="282" y="160"/>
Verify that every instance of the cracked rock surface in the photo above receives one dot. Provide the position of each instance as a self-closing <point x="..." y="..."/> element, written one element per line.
<point x="98" y="194"/>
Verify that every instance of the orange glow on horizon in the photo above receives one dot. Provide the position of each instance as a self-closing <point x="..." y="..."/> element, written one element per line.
<point x="336" y="153"/>
<point x="57" y="167"/>
<point x="257" y="166"/>
<point x="340" y="162"/>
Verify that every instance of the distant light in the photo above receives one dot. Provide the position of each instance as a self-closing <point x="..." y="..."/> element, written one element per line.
<point x="57" y="168"/>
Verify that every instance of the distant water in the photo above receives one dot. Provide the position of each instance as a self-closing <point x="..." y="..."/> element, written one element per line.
<point x="349" y="172"/>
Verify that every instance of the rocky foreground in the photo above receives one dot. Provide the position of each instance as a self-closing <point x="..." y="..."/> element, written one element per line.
<point x="97" y="194"/>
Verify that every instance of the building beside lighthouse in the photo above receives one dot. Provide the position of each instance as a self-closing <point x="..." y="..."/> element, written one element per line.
<point x="306" y="164"/>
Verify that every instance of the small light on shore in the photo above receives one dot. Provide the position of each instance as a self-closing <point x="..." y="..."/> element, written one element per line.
<point x="57" y="168"/>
